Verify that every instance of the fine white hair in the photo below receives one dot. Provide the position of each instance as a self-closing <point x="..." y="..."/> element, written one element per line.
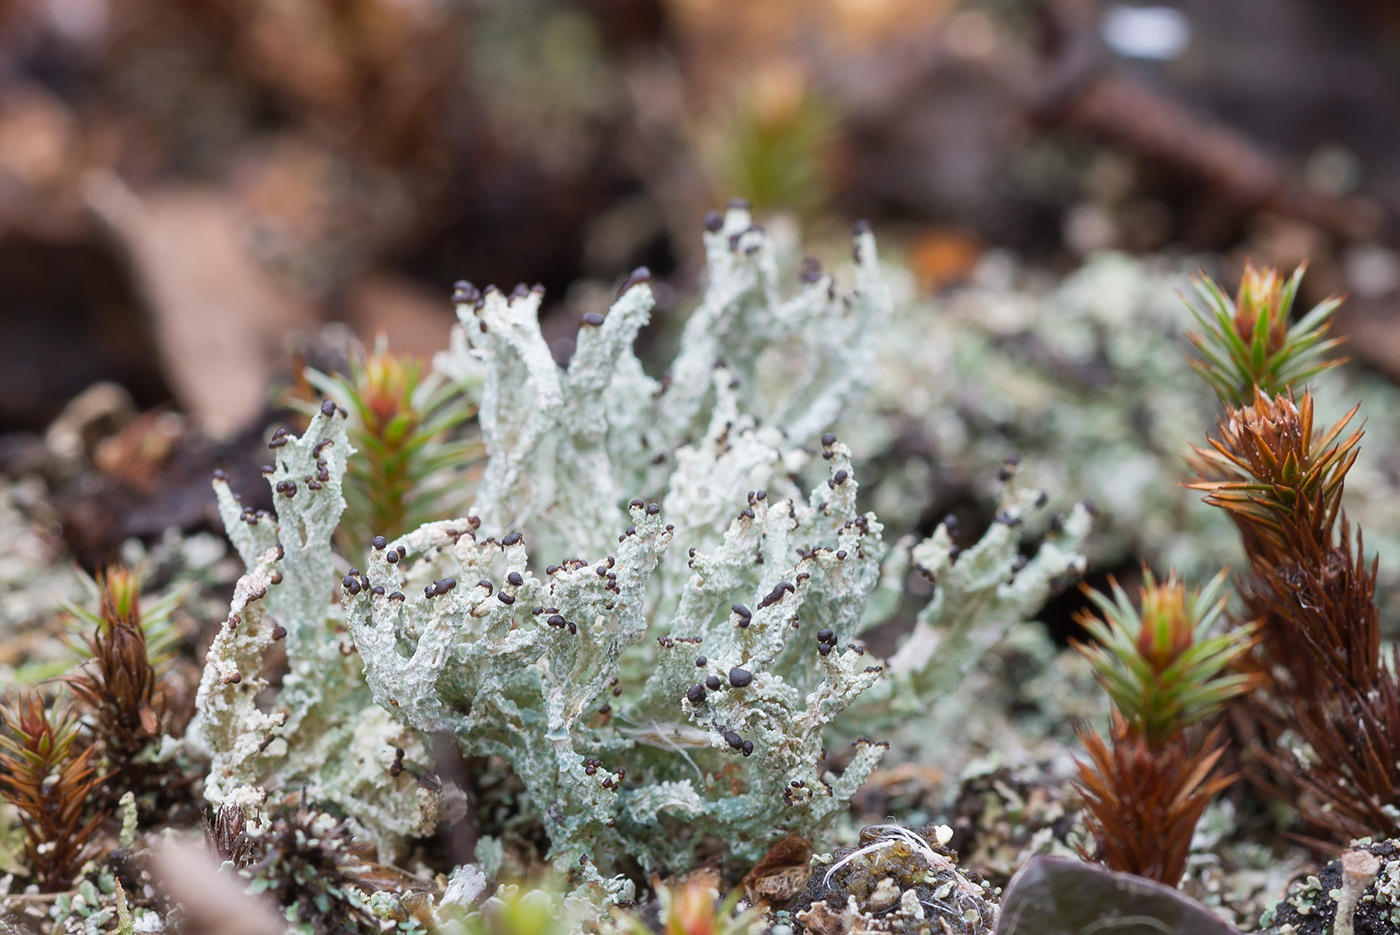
<point x="890" y="835"/>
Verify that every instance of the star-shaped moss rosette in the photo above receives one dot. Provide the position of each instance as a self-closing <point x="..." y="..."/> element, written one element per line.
<point x="1249" y="343"/>
<point x="1161" y="666"/>
<point x="1146" y="787"/>
<point x="404" y="420"/>
<point x="1329" y="711"/>
<point x="1276" y="476"/>
<point x="122" y="686"/>
<point x="51" y="781"/>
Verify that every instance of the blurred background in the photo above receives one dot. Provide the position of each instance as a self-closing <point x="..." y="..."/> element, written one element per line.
<point x="198" y="198"/>
<point x="191" y="189"/>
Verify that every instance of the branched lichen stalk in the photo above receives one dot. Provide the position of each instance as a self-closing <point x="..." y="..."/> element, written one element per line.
<point x="653" y="611"/>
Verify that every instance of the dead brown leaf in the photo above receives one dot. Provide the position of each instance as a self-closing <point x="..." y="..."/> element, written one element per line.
<point x="219" y="316"/>
<point x="781" y="874"/>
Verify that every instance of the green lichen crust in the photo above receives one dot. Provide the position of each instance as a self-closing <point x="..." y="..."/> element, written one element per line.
<point x="567" y="448"/>
<point x="980" y="593"/>
<point x="1310" y="908"/>
<point x="229" y="725"/>
<point x="324" y="730"/>
<point x="646" y="613"/>
<point x="527" y="672"/>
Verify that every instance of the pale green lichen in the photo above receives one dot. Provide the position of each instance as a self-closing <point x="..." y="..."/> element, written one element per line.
<point x="324" y="730"/>
<point x="1304" y="896"/>
<point x="521" y="665"/>
<point x="1088" y="379"/>
<point x="676" y="524"/>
